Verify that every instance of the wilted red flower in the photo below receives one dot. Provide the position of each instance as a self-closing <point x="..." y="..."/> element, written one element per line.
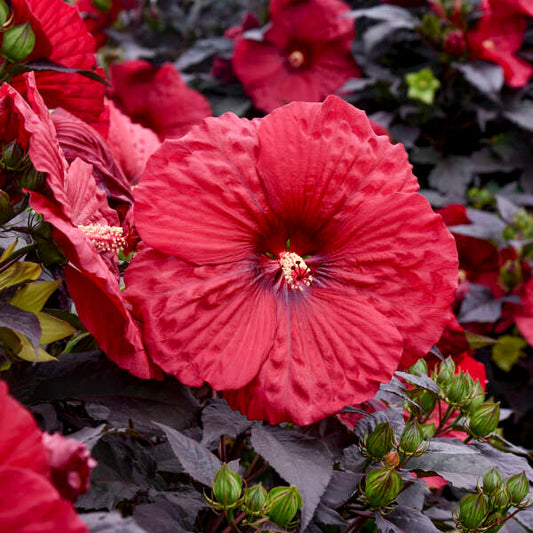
<point x="497" y="37"/>
<point x="28" y="500"/>
<point x="157" y="97"/>
<point x="303" y="265"/>
<point x="61" y="37"/>
<point x="304" y="55"/>
<point x="70" y="465"/>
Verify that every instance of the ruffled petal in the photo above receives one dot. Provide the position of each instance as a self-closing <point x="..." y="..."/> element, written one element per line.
<point x="199" y="198"/>
<point x="217" y="324"/>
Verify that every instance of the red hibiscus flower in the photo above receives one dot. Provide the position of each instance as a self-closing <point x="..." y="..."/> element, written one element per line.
<point x="157" y="97"/>
<point x="303" y="266"/>
<point x="305" y="54"/>
<point x="61" y="37"/>
<point x="497" y="37"/>
<point x="28" y="500"/>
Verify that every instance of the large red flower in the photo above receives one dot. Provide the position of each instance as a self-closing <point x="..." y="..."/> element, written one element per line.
<point x="157" y="97"/>
<point x="61" y="37"/>
<point x="28" y="500"/>
<point x="292" y="258"/>
<point x="497" y="37"/>
<point x="304" y="55"/>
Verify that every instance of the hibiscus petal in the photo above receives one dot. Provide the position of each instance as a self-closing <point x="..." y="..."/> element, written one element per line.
<point x="215" y="324"/>
<point x="333" y="348"/>
<point x="200" y="198"/>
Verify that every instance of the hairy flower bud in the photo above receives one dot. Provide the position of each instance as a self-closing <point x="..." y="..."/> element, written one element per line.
<point x="427" y="401"/>
<point x="412" y="437"/>
<point x="382" y="486"/>
<point x="484" y="420"/>
<point x="446" y="372"/>
<point x="473" y="509"/>
<point x="282" y="504"/>
<point x="227" y="487"/>
<point x="18" y="42"/>
<point x="12" y="156"/>
<point x="517" y="487"/>
<point x="500" y="500"/>
<point x="492" y="481"/>
<point x="459" y="389"/>
<point x="420" y="368"/>
<point x="380" y="441"/>
<point x="254" y="500"/>
<point x="477" y="397"/>
<point x="32" y="179"/>
<point x="6" y="209"/>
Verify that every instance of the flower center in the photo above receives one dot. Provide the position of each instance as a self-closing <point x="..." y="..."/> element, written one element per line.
<point x="105" y="238"/>
<point x="296" y="273"/>
<point x="296" y="59"/>
<point x="489" y="44"/>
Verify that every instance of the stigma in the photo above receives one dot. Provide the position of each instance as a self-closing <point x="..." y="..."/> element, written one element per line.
<point x="105" y="238"/>
<point x="296" y="59"/>
<point x="296" y="273"/>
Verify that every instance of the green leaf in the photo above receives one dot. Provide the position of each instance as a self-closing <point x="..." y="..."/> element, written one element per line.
<point x="33" y="296"/>
<point x="508" y="351"/>
<point x="22" y="322"/>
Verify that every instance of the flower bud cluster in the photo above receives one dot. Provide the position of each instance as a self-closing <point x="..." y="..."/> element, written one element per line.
<point x="279" y="505"/>
<point x="487" y="509"/>
<point x="18" y="41"/>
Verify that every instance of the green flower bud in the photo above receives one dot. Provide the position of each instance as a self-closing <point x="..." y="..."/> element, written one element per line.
<point x="103" y="5"/>
<point x="412" y="437"/>
<point x="484" y="420"/>
<point x="12" y="156"/>
<point x="18" y="42"/>
<point x="380" y="441"/>
<point x="429" y="430"/>
<point x="420" y="368"/>
<point x="427" y="401"/>
<point x="32" y="179"/>
<point x="382" y="486"/>
<point x="422" y="85"/>
<point x="4" y="12"/>
<point x="477" y="397"/>
<point x="500" y="500"/>
<point x="254" y="500"/>
<point x="227" y="487"/>
<point x="492" y="481"/>
<point x="473" y="509"/>
<point x="6" y="209"/>
<point x="517" y="487"/>
<point x="459" y="389"/>
<point x="446" y="372"/>
<point x="282" y="504"/>
<point x="510" y="274"/>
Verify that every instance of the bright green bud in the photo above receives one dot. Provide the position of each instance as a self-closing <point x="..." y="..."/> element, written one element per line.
<point x="254" y="500"/>
<point x="510" y="274"/>
<point x="459" y="389"/>
<point x="427" y="401"/>
<point x="477" y="397"/>
<point x="227" y="487"/>
<point x="4" y="12"/>
<point x="484" y="420"/>
<point x="6" y="209"/>
<point x="446" y="372"/>
<point x="499" y="500"/>
<point x="282" y="504"/>
<point x="412" y="437"/>
<point x="12" y="156"/>
<point x="420" y="368"/>
<point x="32" y="179"/>
<point x="382" y="486"/>
<point x="517" y="487"/>
<point x="492" y="481"/>
<point x="509" y="233"/>
<point x="18" y="42"/>
<point x="473" y="509"/>
<point x="103" y="5"/>
<point x="422" y="85"/>
<point x="380" y="441"/>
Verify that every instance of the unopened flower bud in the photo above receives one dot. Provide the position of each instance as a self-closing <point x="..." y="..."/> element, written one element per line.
<point x="380" y="441"/>
<point x="477" y="397"/>
<point x="484" y="420"/>
<point x="429" y="430"/>
<point x="473" y="509"/>
<point x="282" y="504"/>
<point x="446" y="372"/>
<point x="227" y="487"/>
<point x="420" y="368"/>
<point x="517" y="487"/>
<point x="499" y="500"/>
<point x="32" y="179"/>
<point x="6" y="209"/>
<point x="492" y="481"/>
<point x="382" y="486"/>
<point x="18" y="42"/>
<point x="103" y="5"/>
<point x="412" y="437"/>
<point x="392" y="459"/>
<point x="459" y="389"/>
<point x="4" y="12"/>
<point x="455" y="43"/>
<point x="254" y="500"/>
<point x="510" y="274"/>
<point x="427" y="401"/>
<point x="12" y="156"/>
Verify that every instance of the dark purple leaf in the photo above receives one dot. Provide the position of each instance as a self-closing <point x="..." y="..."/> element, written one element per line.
<point x="22" y="322"/>
<point x="484" y="76"/>
<point x="219" y="419"/>
<point x="111" y="523"/>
